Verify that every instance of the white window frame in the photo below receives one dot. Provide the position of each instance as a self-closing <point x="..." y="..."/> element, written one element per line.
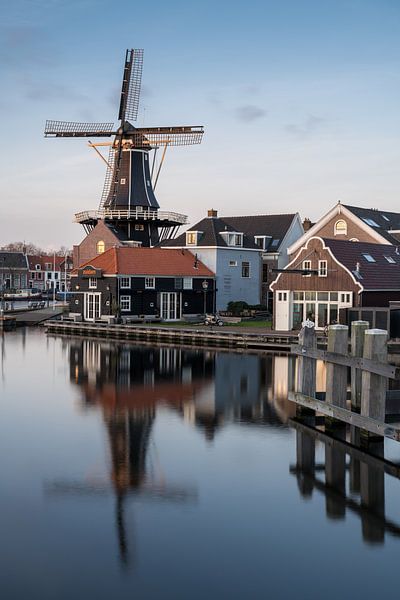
<point x="191" y="238"/>
<point x="188" y="283"/>
<point x="345" y="299"/>
<point x="122" y="300"/>
<point x="305" y="268"/>
<point x="340" y="231"/>
<point x="92" y="283"/>
<point x="322" y="268"/>
<point x="121" y="283"/>
<point x="149" y="283"/>
<point x="246" y="262"/>
<point x="233" y="263"/>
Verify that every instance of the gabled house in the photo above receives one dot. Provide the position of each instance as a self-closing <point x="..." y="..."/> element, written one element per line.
<point x="353" y="223"/>
<point x="50" y="272"/>
<point x="241" y="251"/>
<point x="143" y="282"/>
<point x="13" y="270"/>
<point x="327" y="275"/>
<point x="232" y="255"/>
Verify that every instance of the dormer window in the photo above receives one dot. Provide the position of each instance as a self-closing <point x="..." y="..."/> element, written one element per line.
<point x="192" y="238"/>
<point x="232" y="238"/>
<point x="37" y="267"/>
<point x="262" y="241"/>
<point x="340" y="227"/>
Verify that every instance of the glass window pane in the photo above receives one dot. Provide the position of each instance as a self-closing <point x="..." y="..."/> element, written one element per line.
<point x="310" y="295"/>
<point x="333" y="296"/>
<point x="310" y="311"/>
<point x="322" y="315"/>
<point x="323" y="296"/>
<point x="333" y="313"/>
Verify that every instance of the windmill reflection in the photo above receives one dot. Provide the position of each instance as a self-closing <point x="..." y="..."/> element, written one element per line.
<point x="366" y="477"/>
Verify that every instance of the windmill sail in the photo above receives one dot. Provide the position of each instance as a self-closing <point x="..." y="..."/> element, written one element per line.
<point x="76" y="129"/>
<point x="131" y="84"/>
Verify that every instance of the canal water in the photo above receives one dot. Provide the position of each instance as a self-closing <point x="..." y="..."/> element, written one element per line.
<point x="135" y="471"/>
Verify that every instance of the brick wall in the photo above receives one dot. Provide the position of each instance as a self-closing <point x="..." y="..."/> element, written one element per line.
<point x="87" y="249"/>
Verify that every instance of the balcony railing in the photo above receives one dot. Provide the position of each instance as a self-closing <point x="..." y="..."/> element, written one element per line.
<point x="88" y="216"/>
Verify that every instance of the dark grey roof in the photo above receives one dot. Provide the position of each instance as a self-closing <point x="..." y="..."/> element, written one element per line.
<point x="380" y="273"/>
<point x="119" y="233"/>
<point x="272" y="226"/>
<point x="382" y="221"/>
<point x="13" y="260"/>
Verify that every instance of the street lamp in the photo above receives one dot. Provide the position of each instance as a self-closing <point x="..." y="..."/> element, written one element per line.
<point x="204" y="285"/>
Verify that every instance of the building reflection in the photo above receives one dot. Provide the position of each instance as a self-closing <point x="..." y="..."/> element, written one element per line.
<point x="356" y="486"/>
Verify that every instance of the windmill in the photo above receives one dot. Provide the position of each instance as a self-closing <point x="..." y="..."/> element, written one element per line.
<point x="128" y="202"/>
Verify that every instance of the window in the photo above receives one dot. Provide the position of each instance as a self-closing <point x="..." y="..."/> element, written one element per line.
<point x="100" y="247"/>
<point x="123" y="180"/>
<point x="233" y="263"/>
<point x="245" y="269"/>
<point x="139" y="227"/>
<point x="191" y="238"/>
<point x="275" y="243"/>
<point x="282" y="296"/>
<point x="55" y="275"/>
<point x="385" y="217"/>
<point x="369" y="258"/>
<point x="150" y="283"/>
<point x="178" y="283"/>
<point x="390" y="260"/>
<point x="37" y="267"/>
<point x="345" y="297"/>
<point x="261" y="241"/>
<point x="48" y="266"/>
<point x="125" y="303"/>
<point x="354" y="240"/>
<point x="370" y="222"/>
<point x="48" y="275"/>
<point x="340" y="227"/>
<point x="322" y="268"/>
<point x="187" y="283"/>
<point x="307" y="267"/>
<point x="125" y="283"/>
<point x="92" y="283"/>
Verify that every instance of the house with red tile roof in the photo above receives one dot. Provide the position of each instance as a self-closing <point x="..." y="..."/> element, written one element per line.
<point x="143" y="282"/>
<point x="49" y="272"/>
<point x="327" y="275"/>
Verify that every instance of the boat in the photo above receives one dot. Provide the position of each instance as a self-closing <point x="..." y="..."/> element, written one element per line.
<point x="22" y="294"/>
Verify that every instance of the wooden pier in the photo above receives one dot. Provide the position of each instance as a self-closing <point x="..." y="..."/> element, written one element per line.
<point x="217" y="336"/>
<point x="370" y="372"/>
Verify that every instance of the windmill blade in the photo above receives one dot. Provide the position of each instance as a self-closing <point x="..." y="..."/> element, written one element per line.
<point x="108" y="178"/>
<point x="131" y="84"/>
<point x="144" y="137"/>
<point x="74" y="129"/>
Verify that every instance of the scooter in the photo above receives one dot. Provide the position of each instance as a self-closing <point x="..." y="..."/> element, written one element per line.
<point x="213" y="320"/>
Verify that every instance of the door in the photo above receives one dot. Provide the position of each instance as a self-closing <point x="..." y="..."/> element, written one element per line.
<point x="170" y="306"/>
<point x="282" y="314"/>
<point x="92" y="306"/>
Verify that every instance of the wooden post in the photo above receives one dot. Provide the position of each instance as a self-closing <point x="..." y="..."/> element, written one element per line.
<point x="307" y="366"/>
<point x="305" y="462"/>
<point x="373" y="396"/>
<point x="373" y="497"/>
<point x="358" y="329"/>
<point x="306" y="375"/>
<point x="336" y="375"/>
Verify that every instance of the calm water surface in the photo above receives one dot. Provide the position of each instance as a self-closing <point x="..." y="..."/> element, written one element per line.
<point x="142" y="472"/>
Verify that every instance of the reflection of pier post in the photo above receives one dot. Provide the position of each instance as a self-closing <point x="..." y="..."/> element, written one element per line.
<point x="305" y="462"/>
<point x="372" y="491"/>
<point x="335" y="478"/>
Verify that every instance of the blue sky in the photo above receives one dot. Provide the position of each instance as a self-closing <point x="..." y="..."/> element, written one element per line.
<point x="300" y="101"/>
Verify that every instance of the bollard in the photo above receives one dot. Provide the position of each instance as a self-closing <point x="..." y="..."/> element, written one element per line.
<point x="358" y="329"/>
<point x="373" y="387"/>
<point x="336" y="375"/>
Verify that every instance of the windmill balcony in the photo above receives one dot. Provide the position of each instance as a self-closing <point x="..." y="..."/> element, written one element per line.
<point x="136" y="213"/>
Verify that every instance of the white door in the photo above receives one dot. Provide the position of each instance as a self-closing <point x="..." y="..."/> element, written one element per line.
<point x="92" y="306"/>
<point x="170" y="306"/>
<point x="282" y="311"/>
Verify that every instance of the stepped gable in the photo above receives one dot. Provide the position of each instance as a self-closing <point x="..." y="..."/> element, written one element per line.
<point x="382" y="273"/>
<point x="149" y="261"/>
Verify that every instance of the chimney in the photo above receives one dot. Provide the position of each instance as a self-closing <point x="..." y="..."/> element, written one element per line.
<point x="307" y="224"/>
<point x="212" y="214"/>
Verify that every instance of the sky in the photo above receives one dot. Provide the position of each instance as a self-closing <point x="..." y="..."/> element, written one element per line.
<point x="300" y="100"/>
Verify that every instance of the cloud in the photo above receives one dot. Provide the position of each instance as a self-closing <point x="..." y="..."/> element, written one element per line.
<point x="22" y="46"/>
<point x="249" y="113"/>
<point x="306" y="129"/>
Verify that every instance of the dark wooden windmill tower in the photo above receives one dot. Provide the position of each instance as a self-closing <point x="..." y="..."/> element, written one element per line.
<point x="128" y="202"/>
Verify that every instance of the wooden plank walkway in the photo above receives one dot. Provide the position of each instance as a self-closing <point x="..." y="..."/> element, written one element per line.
<point x="33" y="317"/>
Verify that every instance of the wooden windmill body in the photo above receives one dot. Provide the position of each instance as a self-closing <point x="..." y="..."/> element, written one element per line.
<point x="128" y="202"/>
